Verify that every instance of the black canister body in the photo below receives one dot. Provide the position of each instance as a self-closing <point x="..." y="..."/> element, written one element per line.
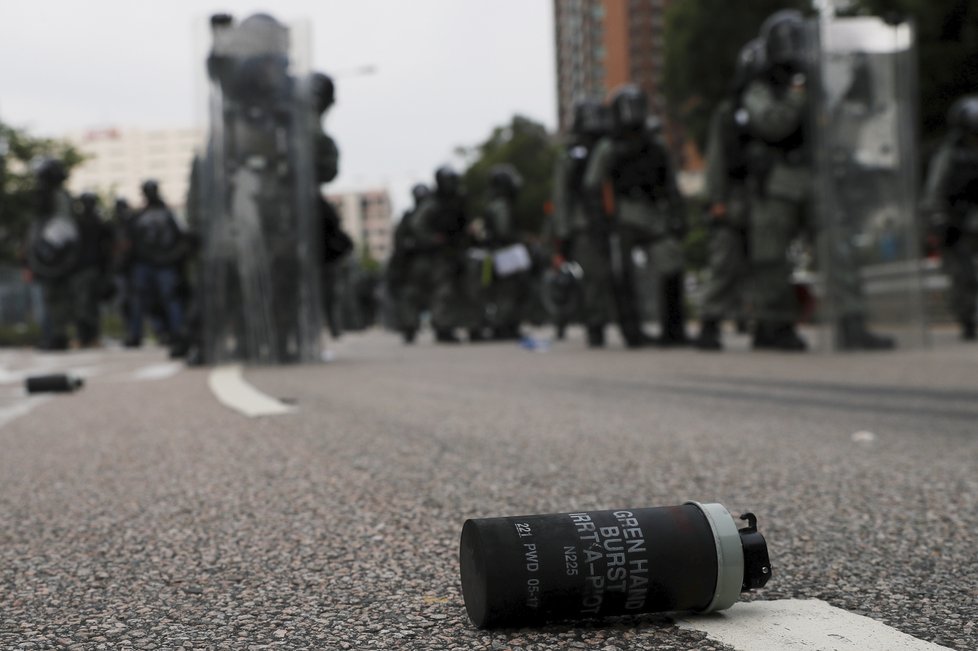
<point x="56" y="383"/>
<point x="533" y="569"/>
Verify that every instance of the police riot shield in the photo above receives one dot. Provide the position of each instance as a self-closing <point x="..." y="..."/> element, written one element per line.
<point x="259" y="233"/>
<point x="868" y="258"/>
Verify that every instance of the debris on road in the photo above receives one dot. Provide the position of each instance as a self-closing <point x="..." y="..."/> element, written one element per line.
<point x="56" y="383"/>
<point x="535" y="344"/>
<point x="863" y="437"/>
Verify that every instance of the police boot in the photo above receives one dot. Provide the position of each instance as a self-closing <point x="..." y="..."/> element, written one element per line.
<point x="673" y="318"/>
<point x="595" y="336"/>
<point x="476" y="335"/>
<point x="968" y="330"/>
<point x="853" y="335"/>
<point x="195" y="356"/>
<point x="87" y="336"/>
<point x="54" y="343"/>
<point x="446" y="336"/>
<point x="178" y="347"/>
<point x="507" y="333"/>
<point x="631" y="332"/>
<point x="709" y="338"/>
<point x="769" y="335"/>
<point x="408" y="334"/>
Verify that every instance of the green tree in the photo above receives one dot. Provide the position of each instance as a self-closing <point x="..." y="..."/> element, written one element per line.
<point x="703" y="38"/>
<point x="18" y="152"/>
<point x="528" y="147"/>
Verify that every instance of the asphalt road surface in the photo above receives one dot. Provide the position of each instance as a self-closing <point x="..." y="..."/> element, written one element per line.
<point x="141" y="513"/>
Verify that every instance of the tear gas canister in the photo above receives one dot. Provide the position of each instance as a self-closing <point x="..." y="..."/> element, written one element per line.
<point x="526" y="570"/>
<point x="55" y="383"/>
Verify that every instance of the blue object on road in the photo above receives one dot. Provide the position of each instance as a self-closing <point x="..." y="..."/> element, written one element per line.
<point x="536" y="345"/>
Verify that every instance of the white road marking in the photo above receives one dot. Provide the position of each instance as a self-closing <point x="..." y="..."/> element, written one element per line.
<point x="12" y="412"/>
<point x="157" y="371"/>
<point x="802" y="624"/>
<point x="228" y="385"/>
<point x="84" y="371"/>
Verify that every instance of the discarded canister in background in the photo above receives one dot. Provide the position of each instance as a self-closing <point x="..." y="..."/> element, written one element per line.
<point x="539" y="568"/>
<point x="57" y="383"/>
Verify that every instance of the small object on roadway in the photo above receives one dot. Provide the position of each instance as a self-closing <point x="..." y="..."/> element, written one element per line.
<point x="56" y="383"/>
<point x="533" y="569"/>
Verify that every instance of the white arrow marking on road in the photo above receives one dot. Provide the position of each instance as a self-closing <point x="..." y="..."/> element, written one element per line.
<point x="157" y="371"/>
<point x="229" y="387"/>
<point x="803" y="624"/>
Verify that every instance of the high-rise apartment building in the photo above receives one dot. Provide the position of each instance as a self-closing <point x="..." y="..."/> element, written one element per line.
<point x="602" y="44"/>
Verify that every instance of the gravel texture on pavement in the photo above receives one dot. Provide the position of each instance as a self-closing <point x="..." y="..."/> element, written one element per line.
<point x="144" y="515"/>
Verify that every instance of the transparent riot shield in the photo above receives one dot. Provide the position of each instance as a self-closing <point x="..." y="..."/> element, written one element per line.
<point x="259" y="256"/>
<point x="868" y="258"/>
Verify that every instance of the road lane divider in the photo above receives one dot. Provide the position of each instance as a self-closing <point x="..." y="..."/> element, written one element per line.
<point x="802" y="624"/>
<point x="157" y="371"/>
<point x="228" y="385"/>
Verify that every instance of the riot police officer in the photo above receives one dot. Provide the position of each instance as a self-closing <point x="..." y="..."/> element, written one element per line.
<point x="508" y="277"/>
<point x="157" y="248"/>
<point x="336" y="243"/>
<point x="951" y="202"/>
<point x="579" y="233"/>
<point x="441" y="230"/>
<point x="777" y="105"/>
<point x="408" y="272"/>
<point x="631" y="180"/>
<point x="729" y="203"/>
<point x="90" y="279"/>
<point x="54" y="251"/>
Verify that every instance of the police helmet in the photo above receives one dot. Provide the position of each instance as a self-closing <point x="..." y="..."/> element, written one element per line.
<point x="504" y="179"/>
<point x="750" y="62"/>
<point x="963" y="114"/>
<point x="88" y="201"/>
<point x="784" y="37"/>
<point x="151" y="189"/>
<point x="51" y="171"/>
<point x="323" y="91"/>
<point x="420" y="191"/>
<point x="629" y="107"/>
<point x="591" y="118"/>
<point x="447" y="181"/>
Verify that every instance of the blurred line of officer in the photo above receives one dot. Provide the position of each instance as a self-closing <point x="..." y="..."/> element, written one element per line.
<point x="616" y="192"/>
<point x="950" y="201"/>
<point x="473" y="274"/>
<point x="69" y="249"/>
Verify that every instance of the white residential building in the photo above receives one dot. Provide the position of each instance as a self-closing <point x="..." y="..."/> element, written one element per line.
<point x="119" y="160"/>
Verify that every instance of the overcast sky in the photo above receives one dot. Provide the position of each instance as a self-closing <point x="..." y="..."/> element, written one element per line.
<point x="447" y="71"/>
